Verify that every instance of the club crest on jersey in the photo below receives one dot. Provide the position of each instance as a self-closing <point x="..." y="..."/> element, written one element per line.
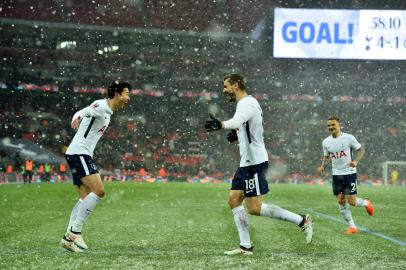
<point x="94" y="106"/>
<point x="102" y="130"/>
<point x="338" y="154"/>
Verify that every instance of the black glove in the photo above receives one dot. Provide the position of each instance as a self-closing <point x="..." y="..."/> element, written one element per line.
<point x="232" y="136"/>
<point x="213" y="124"/>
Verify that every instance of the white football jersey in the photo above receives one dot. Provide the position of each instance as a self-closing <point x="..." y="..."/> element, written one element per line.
<point x="247" y="120"/>
<point x="341" y="150"/>
<point x="95" y="120"/>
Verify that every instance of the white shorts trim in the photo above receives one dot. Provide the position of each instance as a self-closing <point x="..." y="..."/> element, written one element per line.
<point x="257" y="184"/>
<point x="82" y="160"/>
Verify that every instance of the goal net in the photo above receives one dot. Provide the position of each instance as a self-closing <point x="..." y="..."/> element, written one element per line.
<point x="394" y="172"/>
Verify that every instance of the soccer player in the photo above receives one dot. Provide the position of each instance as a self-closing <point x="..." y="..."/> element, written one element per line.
<point x="249" y="183"/>
<point x="338" y="148"/>
<point x="91" y="123"/>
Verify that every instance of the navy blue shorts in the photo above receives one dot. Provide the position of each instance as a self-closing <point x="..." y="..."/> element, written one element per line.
<point x="345" y="184"/>
<point x="81" y="166"/>
<point x="251" y="179"/>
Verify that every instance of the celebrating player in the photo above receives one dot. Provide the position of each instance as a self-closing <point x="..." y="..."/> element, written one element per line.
<point x="91" y="123"/>
<point x="338" y="148"/>
<point x="249" y="182"/>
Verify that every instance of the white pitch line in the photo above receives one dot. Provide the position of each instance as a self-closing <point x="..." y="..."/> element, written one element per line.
<point x="364" y="229"/>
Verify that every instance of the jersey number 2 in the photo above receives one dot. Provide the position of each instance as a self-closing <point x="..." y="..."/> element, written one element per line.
<point x="353" y="187"/>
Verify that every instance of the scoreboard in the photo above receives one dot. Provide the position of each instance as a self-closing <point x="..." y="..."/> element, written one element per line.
<point x="340" y="34"/>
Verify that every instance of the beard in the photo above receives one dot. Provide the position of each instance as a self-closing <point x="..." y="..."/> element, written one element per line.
<point x="122" y="105"/>
<point x="231" y="96"/>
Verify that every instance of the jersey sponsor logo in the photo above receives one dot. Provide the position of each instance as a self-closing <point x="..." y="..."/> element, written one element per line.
<point x="338" y="154"/>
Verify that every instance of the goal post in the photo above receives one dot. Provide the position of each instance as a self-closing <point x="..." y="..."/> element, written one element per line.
<point x="385" y="169"/>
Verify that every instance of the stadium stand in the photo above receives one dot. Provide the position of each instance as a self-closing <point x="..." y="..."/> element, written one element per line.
<point x="41" y="10"/>
<point x="176" y="68"/>
<point x="109" y="13"/>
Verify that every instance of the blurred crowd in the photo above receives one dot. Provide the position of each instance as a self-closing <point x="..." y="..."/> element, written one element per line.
<point x="163" y="136"/>
<point x="57" y="59"/>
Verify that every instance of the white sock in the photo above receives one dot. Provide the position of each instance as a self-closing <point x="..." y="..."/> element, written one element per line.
<point x="361" y="202"/>
<point x="241" y="221"/>
<point x="274" y="211"/>
<point x="74" y="213"/>
<point x="346" y="213"/>
<point x="85" y="209"/>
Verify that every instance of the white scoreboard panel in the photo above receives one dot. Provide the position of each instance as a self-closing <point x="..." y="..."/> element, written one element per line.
<point x="340" y="34"/>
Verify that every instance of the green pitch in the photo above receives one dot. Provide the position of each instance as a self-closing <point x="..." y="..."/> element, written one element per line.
<point x="188" y="226"/>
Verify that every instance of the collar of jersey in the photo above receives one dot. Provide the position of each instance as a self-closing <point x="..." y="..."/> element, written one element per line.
<point x="108" y="107"/>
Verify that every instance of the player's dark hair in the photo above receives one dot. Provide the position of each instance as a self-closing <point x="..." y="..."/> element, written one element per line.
<point x="117" y="87"/>
<point x="334" y="118"/>
<point x="235" y="78"/>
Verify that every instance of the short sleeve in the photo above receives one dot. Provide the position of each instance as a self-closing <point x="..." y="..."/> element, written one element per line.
<point x="95" y="110"/>
<point x="354" y="143"/>
<point x="243" y="113"/>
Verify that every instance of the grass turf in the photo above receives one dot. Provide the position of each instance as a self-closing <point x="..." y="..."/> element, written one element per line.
<point x="188" y="226"/>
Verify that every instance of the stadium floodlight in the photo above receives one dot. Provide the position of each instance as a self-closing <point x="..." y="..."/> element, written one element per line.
<point x="108" y="49"/>
<point x="386" y="165"/>
<point x="66" y="45"/>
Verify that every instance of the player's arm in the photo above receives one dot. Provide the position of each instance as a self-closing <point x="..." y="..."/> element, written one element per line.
<point x="214" y="124"/>
<point x="243" y="114"/>
<point x="358" y="156"/>
<point x="326" y="160"/>
<point x="91" y="111"/>
<point x="359" y="153"/>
